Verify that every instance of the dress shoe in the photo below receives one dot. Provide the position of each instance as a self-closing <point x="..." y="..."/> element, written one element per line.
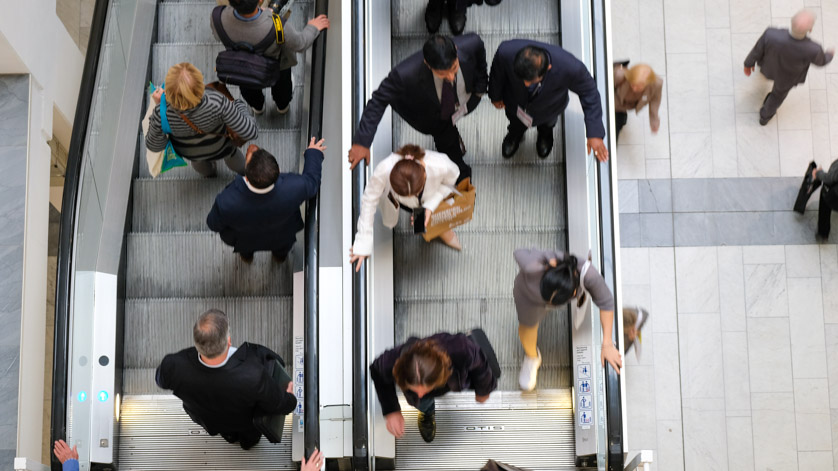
<point x="510" y="145"/>
<point x="427" y="426"/>
<point x="433" y="15"/>
<point x="279" y="258"/>
<point x="450" y="239"/>
<point x="456" y="18"/>
<point x="246" y="257"/>
<point x="544" y="145"/>
<point x="764" y="121"/>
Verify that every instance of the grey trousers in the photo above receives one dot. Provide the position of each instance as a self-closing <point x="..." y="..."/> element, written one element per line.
<point x="207" y="167"/>
<point x="774" y="100"/>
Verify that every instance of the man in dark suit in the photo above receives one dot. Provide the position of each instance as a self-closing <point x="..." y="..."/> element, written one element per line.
<point x="224" y="387"/>
<point x="784" y="56"/>
<point x="530" y="79"/>
<point x="431" y="90"/>
<point x="261" y="211"/>
<point x="829" y="198"/>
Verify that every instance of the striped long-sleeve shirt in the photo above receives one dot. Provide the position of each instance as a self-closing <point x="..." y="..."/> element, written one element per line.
<point x="211" y="115"/>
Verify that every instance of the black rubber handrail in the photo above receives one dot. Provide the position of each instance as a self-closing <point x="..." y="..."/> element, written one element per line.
<point x="361" y="458"/>
<point x="312" y="249"/>
<point x="67" y="227"/>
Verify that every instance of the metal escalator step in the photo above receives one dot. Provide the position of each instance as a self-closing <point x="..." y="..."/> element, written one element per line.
<point x="174" y="205"/>
<point x="156" y="434"/>
<point x="198" y="264"/>
<point x="166" y="325"/>
<point x="140" y="381"/>
<point x="496" y="316"/>
<point x="510" y="17"/>
<point x="529" y="430"/>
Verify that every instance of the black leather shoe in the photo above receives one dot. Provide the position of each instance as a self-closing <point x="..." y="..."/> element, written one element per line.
<point x="278" y="257"/>
<point x="456" y="19"/>
<point x="433" y="15"/>
<point x="427" y="426"/>
<point x="510" y="145"/>
<point x="246" y="257"/>
<point x="544" y="145"/>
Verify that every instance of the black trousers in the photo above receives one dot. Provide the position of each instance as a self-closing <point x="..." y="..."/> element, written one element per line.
<point x="517" y="129"/>
<point x="773" y="100"/>
<point x="246" y="440"/>
<point x="282" y="91"/>
<point x="824" y="214"/>
<point x="621" y="118"/>
<point x="448" y="141"/>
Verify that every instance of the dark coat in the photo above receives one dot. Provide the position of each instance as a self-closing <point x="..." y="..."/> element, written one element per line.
<point x="568" y="73"/>
<point x="225" y="399"/>
<point x="784" y="59"/>
<point x="469" y="365"/>
<point x="410" y="90"/>
<point x="249" y="221"/>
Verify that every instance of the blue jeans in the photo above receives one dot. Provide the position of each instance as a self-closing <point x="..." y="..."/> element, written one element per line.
<point x="426" y="405"/>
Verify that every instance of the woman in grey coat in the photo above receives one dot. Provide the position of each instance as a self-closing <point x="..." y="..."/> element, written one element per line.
<point x="547" y="280"/>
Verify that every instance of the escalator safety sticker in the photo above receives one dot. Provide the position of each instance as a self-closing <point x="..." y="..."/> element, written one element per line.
<point x="586" y="418"/>
<point x="584" y="386"/>
<point x="584" y="370"/>
<point x="585" y="402"/>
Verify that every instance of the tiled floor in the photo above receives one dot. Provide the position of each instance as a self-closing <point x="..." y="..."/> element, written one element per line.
<point x="739" y="367"/>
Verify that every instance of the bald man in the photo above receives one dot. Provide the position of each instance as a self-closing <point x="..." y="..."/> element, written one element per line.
<point x="784" y="56"/>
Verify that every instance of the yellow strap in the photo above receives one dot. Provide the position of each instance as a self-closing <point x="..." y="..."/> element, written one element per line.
<point x="280" y="33"/>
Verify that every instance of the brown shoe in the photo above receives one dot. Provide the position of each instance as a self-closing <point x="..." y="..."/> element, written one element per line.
<point x="450" y="239"/>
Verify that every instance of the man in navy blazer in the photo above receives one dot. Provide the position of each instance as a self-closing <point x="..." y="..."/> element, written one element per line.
<point x="431" y="90"/>
<point x="261" y="211"/>
<point x="530" y="79"/>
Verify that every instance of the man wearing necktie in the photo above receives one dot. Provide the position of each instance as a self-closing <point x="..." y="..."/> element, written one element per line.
<point x="432" y="89"/>
<point x="530" y="80"/>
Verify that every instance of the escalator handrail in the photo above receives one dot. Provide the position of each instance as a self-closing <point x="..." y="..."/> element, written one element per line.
<point x="67" y="232"/>
<point x="311" y="401"/>
<point x="361" y="457"/>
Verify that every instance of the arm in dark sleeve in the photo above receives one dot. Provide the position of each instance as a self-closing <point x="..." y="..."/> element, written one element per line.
<point x="497" y="78"/>
<point x="161" y="376"/>
<point x="270" y="398"/>
<point x="312" y="171"/>
<point x="214" y="220"/>
<point x="830" y="177"/>
<point x="480" y="375"/>
<point x="381" y="372"/>
<point x="481" y="76"/>
<point x="583" y="85"/>
<point x="389" y="89"/>
<point x="822" y="58"/>
<point x="756" y="53"/>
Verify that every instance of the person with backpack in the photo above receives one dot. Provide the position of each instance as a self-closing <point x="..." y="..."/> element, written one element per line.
<point x="829" y="198"/>
<point x="549" y="279"/>
<point x="261" y="50"/>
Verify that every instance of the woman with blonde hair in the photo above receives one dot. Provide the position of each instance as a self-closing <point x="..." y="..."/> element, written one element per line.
<point x="427" y="368"/>
<point x="634" y="88"/>
<point x="198" y="118"/>
<point x="411" y="178"/>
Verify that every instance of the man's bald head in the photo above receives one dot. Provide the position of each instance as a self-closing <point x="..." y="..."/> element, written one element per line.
<point x="802" y="23"/>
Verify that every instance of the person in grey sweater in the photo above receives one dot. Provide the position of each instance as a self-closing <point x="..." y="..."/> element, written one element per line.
<point x="244" y="21"/>
<point x="829" y="197"/>
<point x="547" y="280"/>
<point x="784" y="56"/>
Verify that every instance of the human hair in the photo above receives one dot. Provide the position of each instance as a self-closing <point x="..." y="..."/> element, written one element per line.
<point x="530" y="63"/>
<point x="801" y="23"/>
<point x="559" y="283"/>
<point x="439" y="52"/>
<point x="423" y="363"/>
<point x="184" y="86"/>
<point x="244" y="7"/>
<point x="210" y="333"/>
<point x="641" y="74"/>
<point x="261" y="169"/>
<point x="408" y="176"/>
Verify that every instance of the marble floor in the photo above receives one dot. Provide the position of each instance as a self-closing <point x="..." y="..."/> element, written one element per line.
<point x="738" y="368"/>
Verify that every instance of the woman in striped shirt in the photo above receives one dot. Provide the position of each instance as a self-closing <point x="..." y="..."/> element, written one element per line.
<point x="210" y="112"/>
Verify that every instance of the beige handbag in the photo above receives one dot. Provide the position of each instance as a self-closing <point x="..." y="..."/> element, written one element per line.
<point x="153" y="159"/>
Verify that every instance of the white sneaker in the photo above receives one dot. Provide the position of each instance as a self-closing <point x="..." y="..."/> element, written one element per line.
<point x="258" y="112"/>
<point x="529" y="372"/>
<point x="284" y="110"/>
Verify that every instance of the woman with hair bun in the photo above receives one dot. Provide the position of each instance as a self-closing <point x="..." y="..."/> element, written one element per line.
<point x="411" y="178"/>
<point x="427" y="368"/>
<point x="549" y="279"/>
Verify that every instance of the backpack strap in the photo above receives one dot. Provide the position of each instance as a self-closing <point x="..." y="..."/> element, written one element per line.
<point x="164" y="120"/>
<point x="219" y="28"/>
<point x="276" y="34"/>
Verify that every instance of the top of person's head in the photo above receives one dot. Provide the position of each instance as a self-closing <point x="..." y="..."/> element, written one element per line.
<point x="408" y="176"/>
<point x="261" y="169"/>
<point x="559" y="283"/>
<point x="423" y="363"/>
<point x="641" y="74"/>
<point x="439" y="52"/>
<point x="210" y="333"/>
<point x="184" y="86"/>
<point x="801" y="23"/>
<point x="531" y="63"/>
<point x="244" y="7"/>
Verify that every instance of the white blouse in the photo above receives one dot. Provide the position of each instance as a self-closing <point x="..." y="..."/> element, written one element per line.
<point x="441" y="177"/>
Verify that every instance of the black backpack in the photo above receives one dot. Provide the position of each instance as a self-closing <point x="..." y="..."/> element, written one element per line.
<point x="242" y="63"/>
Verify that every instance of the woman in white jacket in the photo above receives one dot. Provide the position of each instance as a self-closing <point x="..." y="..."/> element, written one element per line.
<point x="411" y="177"/>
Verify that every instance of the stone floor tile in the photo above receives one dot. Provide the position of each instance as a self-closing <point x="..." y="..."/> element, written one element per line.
<point x="775" y="437"/>
<point x="625" y="25"/>
<point x="769" y="355"/>
<point x="657" y="144"/>
<point x="688" y="93"/>
<point x="740" y="440"/>
<point x="831" y="340"/>
<point x="756" y="147"/>
<point x="763" y="254"/>
<point x="658" y="168"/>
<point x="723" y="122"/>
<point x="719" y="62"/>
<point x="766" y="292"/>
<point x="685" y="31"/>
<point x="705" y="436"/>
<point x="692" y="155"/>
<point x="815" y="460"/>
<point x="731" y="289"/>
<point x="656" y="230"/>
<point x="655" y="196"/>
<point x="667" y="375"/>
<point x="750" y="16"/>
<point x="631" y="161"/>
<point x="829" y="280"/>
<point x="702" y="363"/>
<point x="820" y="136"/>
<point x="832" y="100"/>
<point x="786" y="8"/>
<point x="736" y="374"/>
<point x="635" y="268"/>
<point x="808" y="349"/>
<point x="795" y="152"/>
<point x="652" y="43"/>
<point x="670" y="451"/>
<point x="662" y="278"/>
<point x="749" y="91"/>
<point x="693" y="230"/>
<point x="796" y="111"/>
<point x="741" y="228"/>
<point x="716" y="14"/>
<point x="628" y="197"/>
<point x="691" y="195"/>
<point x="803" y="261"/>
<point x="697" y="279"/>
<point x="629" y="230"/>
<point x="817" y="101"/>
<point x="640" y="389"/>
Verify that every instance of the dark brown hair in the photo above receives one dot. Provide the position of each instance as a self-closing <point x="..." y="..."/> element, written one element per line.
<point x="408" y="176"/>
<point x="424" y="363"/>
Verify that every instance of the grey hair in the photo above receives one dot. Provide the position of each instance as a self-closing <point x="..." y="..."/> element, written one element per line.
<point x="801" y="23"/>
<point x="210" y="333"/>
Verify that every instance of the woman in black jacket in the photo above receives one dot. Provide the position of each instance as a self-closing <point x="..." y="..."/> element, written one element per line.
<point x="427" y="368"/>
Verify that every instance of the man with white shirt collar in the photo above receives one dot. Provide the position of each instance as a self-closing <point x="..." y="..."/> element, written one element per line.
<point x="261" y="210"/>
<point x="224" y="387"/>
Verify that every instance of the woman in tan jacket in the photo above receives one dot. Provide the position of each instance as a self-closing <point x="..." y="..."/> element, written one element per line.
<point x="634" y="88"/>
